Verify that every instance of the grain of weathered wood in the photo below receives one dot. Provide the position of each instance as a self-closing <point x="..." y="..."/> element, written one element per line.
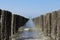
<point x="54" y="25"/>
<point x="41" y="22"/>
<point x="58" y="25"/>
<point x="45" y="25"/>
<point x="49" y="24"/>
<point x="2" y="25"/>
<point x="7" y="24"/>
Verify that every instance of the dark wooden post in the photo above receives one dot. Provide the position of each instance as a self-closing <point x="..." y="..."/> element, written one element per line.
<point x="16" y="23"/>
<point x="0" y="23"/>
<point x="5" y="25"/>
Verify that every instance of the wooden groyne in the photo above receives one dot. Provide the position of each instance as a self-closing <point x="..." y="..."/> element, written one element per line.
<point x="49" y="24"/>
<point x="9" y="24"/>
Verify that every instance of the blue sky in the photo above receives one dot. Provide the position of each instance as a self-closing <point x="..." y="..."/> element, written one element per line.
<point x="30" y="8"/>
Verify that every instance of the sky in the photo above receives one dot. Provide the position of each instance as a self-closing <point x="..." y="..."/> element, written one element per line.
<point x="30" y="8"/>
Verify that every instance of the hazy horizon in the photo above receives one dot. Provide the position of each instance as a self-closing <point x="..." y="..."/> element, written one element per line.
<point x="30" y="8"/>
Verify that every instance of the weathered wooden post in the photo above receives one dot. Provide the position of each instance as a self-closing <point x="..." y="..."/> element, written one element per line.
<point x="58" y="25"/>
<point x="34" y="21"/>
<point x="5" y="25"/>
<point x="12" y="25"/>
<point x="49" y="24"/>
<point x="45" y="25"/>
<point x="41" y="22"/>
<point x="54" y="25"/>
<point x="0" y="23"/>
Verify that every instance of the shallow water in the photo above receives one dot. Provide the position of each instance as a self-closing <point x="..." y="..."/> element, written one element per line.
<point x="31" y="33"/>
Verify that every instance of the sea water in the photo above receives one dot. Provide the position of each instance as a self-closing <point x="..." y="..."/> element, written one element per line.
<point x="30" y="32"/>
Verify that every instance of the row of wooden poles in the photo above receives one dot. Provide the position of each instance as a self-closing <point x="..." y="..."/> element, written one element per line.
<point x="50" y="24"/>
<point x="9" y="24"/>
